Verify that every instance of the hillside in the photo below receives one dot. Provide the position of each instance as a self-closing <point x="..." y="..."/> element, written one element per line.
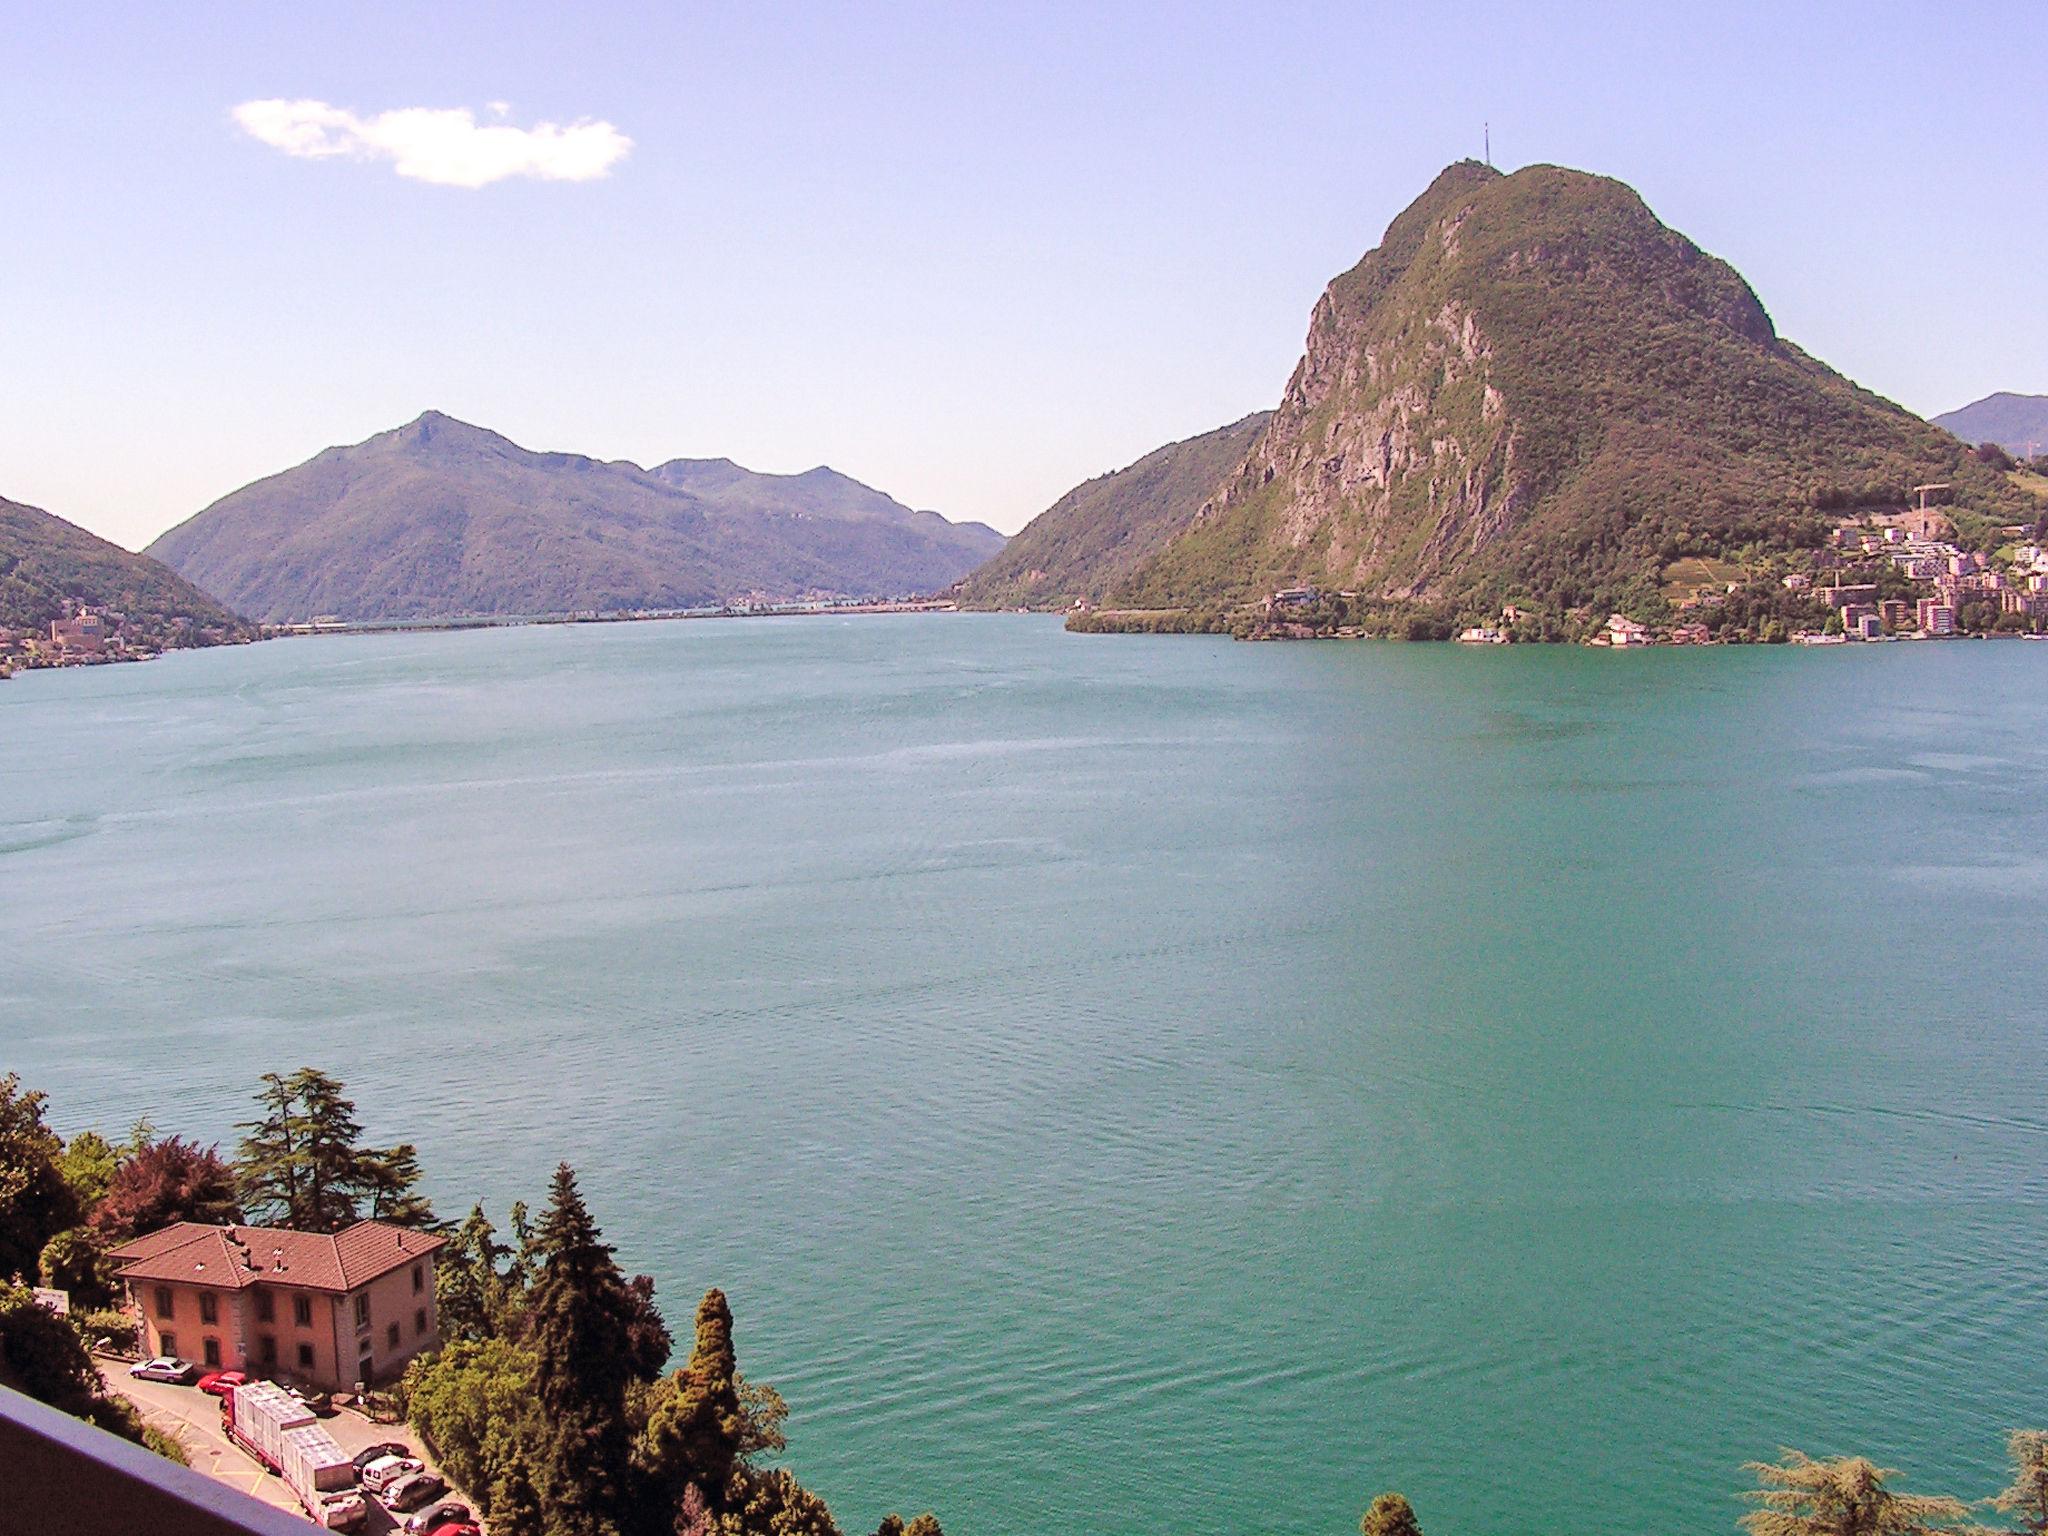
<point x="2017" y="423"/>
<point x="1533" y="390"/>
<point x="439" y="518"/>
<point x="46" y="563"/>
<point x="1094" y="538"/>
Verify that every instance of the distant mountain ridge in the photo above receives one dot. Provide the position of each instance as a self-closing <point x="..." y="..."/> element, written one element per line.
<point x="47" y="563"/>
<point x="1094" y="538"/>
<point x="2017" y="423"/>
<point x="1534" y="392"/>
<point x="440" y="518"/>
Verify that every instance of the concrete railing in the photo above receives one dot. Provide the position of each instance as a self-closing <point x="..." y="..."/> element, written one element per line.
<point x="61" y="1476"/>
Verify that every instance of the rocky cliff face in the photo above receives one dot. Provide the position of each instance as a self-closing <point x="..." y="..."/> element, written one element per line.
<point x="1527" y="389"/>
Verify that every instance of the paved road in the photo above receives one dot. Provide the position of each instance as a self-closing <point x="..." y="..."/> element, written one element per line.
<point x="193" y="1419"/>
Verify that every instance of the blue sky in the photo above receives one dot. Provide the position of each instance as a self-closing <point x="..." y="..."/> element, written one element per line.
<point x="970" y="254"/>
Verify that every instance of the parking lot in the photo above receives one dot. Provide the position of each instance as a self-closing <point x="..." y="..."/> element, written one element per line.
<point x="193" y="1419"/>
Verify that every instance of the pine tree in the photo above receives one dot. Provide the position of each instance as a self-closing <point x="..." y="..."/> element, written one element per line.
<point x="303" y="1166"/>
<point x="469" y="1290"/>
<point x="514" y="1507"/>
<point x="580" y="1320"/>
<point x="1389" y="1515"/>
<point x="2027" y="1496"/>
<point x="1846" y="1497"/>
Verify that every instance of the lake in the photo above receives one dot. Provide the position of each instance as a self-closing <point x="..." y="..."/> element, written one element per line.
<point x="1139" y="1084"/>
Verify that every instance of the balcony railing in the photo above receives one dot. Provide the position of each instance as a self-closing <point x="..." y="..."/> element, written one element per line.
<point x="61" y="1476"/>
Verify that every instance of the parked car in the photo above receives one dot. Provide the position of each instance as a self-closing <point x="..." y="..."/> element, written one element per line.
<point x="434" y="1516"/>
<point x="457" y="1528"/>
<point x="415" y="1489"/>
<point x="164" y="1368"/>
<point x="386" y="1470"/>
<point x="378" y="1452"/>
<point x="221" y="1383"/>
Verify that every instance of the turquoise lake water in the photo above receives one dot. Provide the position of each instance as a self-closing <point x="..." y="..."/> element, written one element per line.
<point x="1136" y="1084"/>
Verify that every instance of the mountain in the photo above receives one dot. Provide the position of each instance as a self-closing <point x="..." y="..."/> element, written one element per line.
<point x="47" y="563"/>
<point x="1533" y="390"/>
<point x="2017" y="423"/>
<point x="1094" y="538"/>
<point x="439" y="518"/>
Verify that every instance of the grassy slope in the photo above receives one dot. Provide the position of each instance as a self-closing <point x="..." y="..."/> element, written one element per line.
<point x="1093" y="538"/>
<point x="1645" y="402"/>
<point x="440" y="518"/>
<point x="46" y="562"/>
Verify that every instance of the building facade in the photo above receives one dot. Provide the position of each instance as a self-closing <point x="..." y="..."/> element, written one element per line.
<point x="329" y="1311"/>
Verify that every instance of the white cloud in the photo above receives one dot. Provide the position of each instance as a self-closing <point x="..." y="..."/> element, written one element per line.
<point x="443" y="145"/>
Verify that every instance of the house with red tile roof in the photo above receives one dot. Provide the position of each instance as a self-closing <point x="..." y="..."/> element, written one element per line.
<point x="326" y="1310"/>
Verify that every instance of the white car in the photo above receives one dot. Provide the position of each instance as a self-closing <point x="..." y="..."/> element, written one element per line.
<point x="386" y="1470"/>
<point x="164" y="1368"/>
<point x="447" y="1512"/>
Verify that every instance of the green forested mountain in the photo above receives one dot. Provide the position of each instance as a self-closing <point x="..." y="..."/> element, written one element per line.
<point x="1094" y="538"/>
<point x="439" y="518"/>
<point x="1533" y="390"/>
<point x="46" y="563"/>
<point x="2017" y="423"/>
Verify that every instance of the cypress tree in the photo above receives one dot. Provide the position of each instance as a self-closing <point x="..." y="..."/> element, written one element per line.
<point x="695" y="1435"/>
<point x="580" y="1320"/>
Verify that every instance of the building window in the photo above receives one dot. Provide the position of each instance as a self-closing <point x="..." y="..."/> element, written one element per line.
<point x="163" y="1301"/>
<point x="391" y="1336"/>
<point x="266" y="1348"/>
<point x="419" y="1279"/>
<point x="419" y="1321"/>
<point x="209" y="1307"/>
<point x="210" y="1349"/>
<point x="362" y="1311"/>
<point x="167" y="1343"/>
<point x="305" y="1357"/>
<point x="266" y="1307"/>
<point x="302" y="1311"/>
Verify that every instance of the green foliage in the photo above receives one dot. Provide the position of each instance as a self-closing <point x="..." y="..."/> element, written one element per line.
<point x="580" y="1319"/>
<point x="163" y="1181"/>
<point x="2026" y="1496"/>
<point x="473" y="1296"/>
<point x="473" y="1404"/>
<point x="42" y="1356"/>
<point x="75" y="1261"/>
<point x="1849" y="1496"/>
<point x="88" y="1166"/>
<point x="36" y="1200"/>
<point x="1389" y="1515"/>
<point x="118" y="1328"/>
<point x="773" y="1503"/>
<point x="303" y="1166"/>
<point x="166" y="1447"/>
<point x="47" y="563"/>
<point x="1532" y="389"/>
<point x="1098" y="534"/>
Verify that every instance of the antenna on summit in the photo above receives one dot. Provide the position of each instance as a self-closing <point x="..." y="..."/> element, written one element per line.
<point x="1487" y="130"/>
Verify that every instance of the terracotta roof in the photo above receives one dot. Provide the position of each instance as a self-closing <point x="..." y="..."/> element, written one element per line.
<point x="235" y="1257"/>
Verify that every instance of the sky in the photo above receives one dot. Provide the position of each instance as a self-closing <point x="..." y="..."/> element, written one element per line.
<point x="970" y="254"/>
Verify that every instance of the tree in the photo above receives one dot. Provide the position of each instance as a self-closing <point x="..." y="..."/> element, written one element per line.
<point x="1389" y="1515"/>
<point x="43" y="1356"/>
<point x="88" y="1167"/>
<point x="580" y="1328"/>
<point x="696" y="1432"/>
<point x="926" y="1524"/>
<point x="74" y="1261"/>
<point x="163" y="1182"/>
<point x="472" y="1402"/>
<point x="2027" y="1497"/>
<point x="469" y="1289"/>
<point x="773" y="1503"/>
<point x="1799" y="1496"/>
<point x="36" y="1203"/>
<point x="303" y="1165"/>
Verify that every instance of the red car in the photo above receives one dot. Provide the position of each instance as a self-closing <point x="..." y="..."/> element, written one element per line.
<point x="221" y="1383"/>
<point x="456" y="1528"/>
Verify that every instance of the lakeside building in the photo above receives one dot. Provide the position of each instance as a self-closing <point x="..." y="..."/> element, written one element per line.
<point x="1935" y="616"/>
<point x="330" y="1311"/>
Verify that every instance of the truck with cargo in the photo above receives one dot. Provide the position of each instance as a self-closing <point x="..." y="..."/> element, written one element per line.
<point x="281" y="1433"/>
